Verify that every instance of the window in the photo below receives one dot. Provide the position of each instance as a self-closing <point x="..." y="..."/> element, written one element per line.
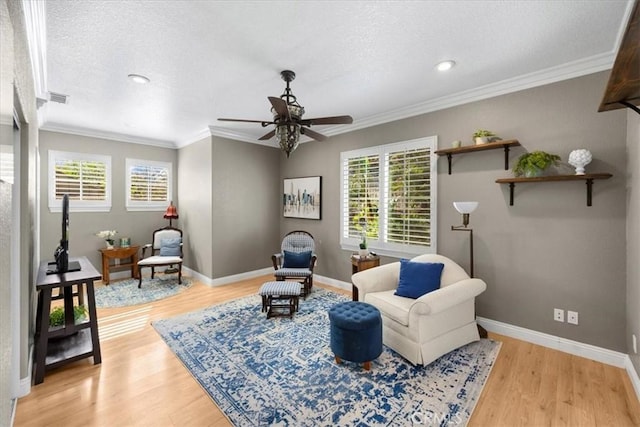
<point x="148" y="185"/>
<point x="86" y="178"/>
<point x="389" y="195"/>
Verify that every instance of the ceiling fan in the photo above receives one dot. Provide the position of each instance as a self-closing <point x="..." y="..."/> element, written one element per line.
<point x="288" y="121"/>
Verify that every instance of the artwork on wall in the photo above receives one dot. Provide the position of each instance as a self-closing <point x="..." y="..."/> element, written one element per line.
<point x="301" y="197"/>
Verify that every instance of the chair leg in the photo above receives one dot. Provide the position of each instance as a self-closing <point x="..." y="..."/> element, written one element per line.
<point x="180" y="273"/>
<point x="139" y="277"/>
<point x="153" y="272"/>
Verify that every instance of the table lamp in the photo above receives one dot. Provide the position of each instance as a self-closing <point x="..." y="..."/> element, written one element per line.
<point x="171" y="213"/>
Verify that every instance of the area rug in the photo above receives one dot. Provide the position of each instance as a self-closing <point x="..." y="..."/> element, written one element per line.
<point x="282" y="371"/>
<point x="124" y="293"/>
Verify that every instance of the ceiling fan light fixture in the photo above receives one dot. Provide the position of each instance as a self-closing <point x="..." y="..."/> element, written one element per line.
<point x="139" y="78"/>
<point x="445" y="65"/>
<point x="288" y="136"/>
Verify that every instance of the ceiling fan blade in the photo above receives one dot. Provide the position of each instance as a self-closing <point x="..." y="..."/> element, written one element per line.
<point x="313" y="134"/>
<point x="280" y="106"/>
<point x="267" y="136"/>
<point x="336" y="120"/>
<point x="262" y="122"/>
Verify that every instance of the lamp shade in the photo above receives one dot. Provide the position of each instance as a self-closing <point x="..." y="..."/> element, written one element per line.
<point x="171" y="213"/>
<point x="465" y="207"/>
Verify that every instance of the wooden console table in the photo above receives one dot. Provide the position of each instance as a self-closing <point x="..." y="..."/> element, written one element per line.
<point x="361" y="264"/>
<point x="59" y="345"/>
<point x="118" y="254"/>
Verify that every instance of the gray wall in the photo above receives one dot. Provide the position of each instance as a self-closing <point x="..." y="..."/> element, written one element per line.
<point x="6" y="113"/>
<point x="547" y="251"/>
<point x="17" y="94"/>
<point x="138" y="226"/>
<point x="194" y="188"/>
<point x="633" y="235"/>
<point x="246" y="198"/>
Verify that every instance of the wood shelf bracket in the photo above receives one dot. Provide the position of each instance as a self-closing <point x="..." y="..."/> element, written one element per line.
<point x="588" y="178"/>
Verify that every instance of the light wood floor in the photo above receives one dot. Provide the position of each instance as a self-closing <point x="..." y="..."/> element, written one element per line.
<point x="141" y="383"/>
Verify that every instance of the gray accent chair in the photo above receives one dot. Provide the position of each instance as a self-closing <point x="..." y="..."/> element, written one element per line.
<point x="296" y="241"/>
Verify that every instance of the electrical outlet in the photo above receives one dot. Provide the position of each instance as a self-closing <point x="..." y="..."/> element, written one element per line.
<point x="558" y="315"/>
<point x="572" y="317"/>
<point x="635" y="343"/>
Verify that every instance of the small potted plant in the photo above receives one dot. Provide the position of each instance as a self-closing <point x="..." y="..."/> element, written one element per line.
<point x="108" y="236"/>
<point x="363" y="252"/>
<point x="482" y="136"/>
<point x="56" y="317"/>
<point x="534" y="164"/>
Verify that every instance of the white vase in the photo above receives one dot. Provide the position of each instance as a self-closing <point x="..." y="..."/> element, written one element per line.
<point x="481" y="140"/>
<point x="579" y="159"/>
<point x="109" y="245"/>
<point x="363" y="252"/>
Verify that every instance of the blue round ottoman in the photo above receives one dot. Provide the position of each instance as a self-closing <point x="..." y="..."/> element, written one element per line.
<point x="356" y="332"/>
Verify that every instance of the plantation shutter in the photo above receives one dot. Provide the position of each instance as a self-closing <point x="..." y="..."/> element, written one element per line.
<point x="361" y="191"/>
<point x="149" y="183"/>
<point x="408" y="197"/>
<point x="84" y="180"/>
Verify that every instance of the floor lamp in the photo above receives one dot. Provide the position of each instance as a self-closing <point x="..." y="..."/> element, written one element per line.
<point x="465" y="208"/>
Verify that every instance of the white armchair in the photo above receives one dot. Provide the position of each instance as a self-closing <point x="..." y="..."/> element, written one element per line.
<point x="423" y="329"/>
<point x="166" y="250"/>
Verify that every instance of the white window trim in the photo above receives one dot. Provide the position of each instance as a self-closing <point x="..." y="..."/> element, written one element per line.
<point x="55" y="205"/>
<point x="132" y="205"/>
<point x="395" y="250"/>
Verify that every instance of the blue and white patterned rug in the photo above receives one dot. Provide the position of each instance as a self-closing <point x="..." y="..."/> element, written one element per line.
<point x="124" y="293"/>
<point x="282" y="371"/>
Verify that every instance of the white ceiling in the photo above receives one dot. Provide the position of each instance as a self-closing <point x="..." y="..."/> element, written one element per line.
<point x="373" y="60"/>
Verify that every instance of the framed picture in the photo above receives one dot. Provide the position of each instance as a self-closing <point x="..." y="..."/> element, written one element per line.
<point x="301" y="197"/>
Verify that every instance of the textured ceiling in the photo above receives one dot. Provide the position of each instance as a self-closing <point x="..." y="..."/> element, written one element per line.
<point x="373" y="60"/>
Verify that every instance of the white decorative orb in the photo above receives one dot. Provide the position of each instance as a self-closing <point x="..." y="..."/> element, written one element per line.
<point x="579" y="159"/>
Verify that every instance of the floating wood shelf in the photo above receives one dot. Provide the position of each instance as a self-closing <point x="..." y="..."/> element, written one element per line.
<point x="623" y="89"/>
<point x="449" y="152"/>
<point x="589" y="177"/>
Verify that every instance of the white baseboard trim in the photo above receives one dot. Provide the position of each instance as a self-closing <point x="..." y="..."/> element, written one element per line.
<point x="24" y="386"/>
<point x="227" y="279"/>
<point x="332" y="282"/>
<point x="576" y="348"/>
<point x="633" y="375"/>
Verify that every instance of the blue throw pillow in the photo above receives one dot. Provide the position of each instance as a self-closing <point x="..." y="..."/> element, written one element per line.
<point x="418" y="278"/>
<point x="296" y="259"/>
<point x="170" y="247"/>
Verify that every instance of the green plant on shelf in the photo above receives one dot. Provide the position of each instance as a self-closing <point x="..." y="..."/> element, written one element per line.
<point x="483" y="133"/>
<point x="56" y="317"/>
<point x="535" y="163"/>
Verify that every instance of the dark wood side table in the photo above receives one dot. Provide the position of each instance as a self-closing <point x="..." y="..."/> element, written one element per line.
<point x="360" y="264"/>
<point x="130" y="252"/>
<point x="59" y="345"/>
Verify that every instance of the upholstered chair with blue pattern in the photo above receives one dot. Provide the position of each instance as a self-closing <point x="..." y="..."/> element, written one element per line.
<point x="296" y="260"/>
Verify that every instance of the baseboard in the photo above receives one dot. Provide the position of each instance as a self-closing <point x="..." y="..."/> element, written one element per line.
<point x="633" y="375"/>
<point x="332" y="282"/>
<point x="24" y="386"/>
<point x="227" y="279"/>
<point x="576" y="348"/>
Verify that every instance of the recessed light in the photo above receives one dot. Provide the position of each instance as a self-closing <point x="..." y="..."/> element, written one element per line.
<point x="445" y="65"/>
<point x="138" y="78"/>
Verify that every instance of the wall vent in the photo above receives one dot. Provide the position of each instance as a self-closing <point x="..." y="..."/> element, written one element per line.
<point x="59" y="98"/>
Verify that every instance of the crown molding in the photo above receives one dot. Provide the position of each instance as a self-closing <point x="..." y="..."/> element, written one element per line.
<point x="72" y="130"/>
<point x="239" y="136"/>
<point x="566" y="71"/>
<point x="569" y="70"/>
<point x="204" y="133"/>
<point x="36" y="27"/>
